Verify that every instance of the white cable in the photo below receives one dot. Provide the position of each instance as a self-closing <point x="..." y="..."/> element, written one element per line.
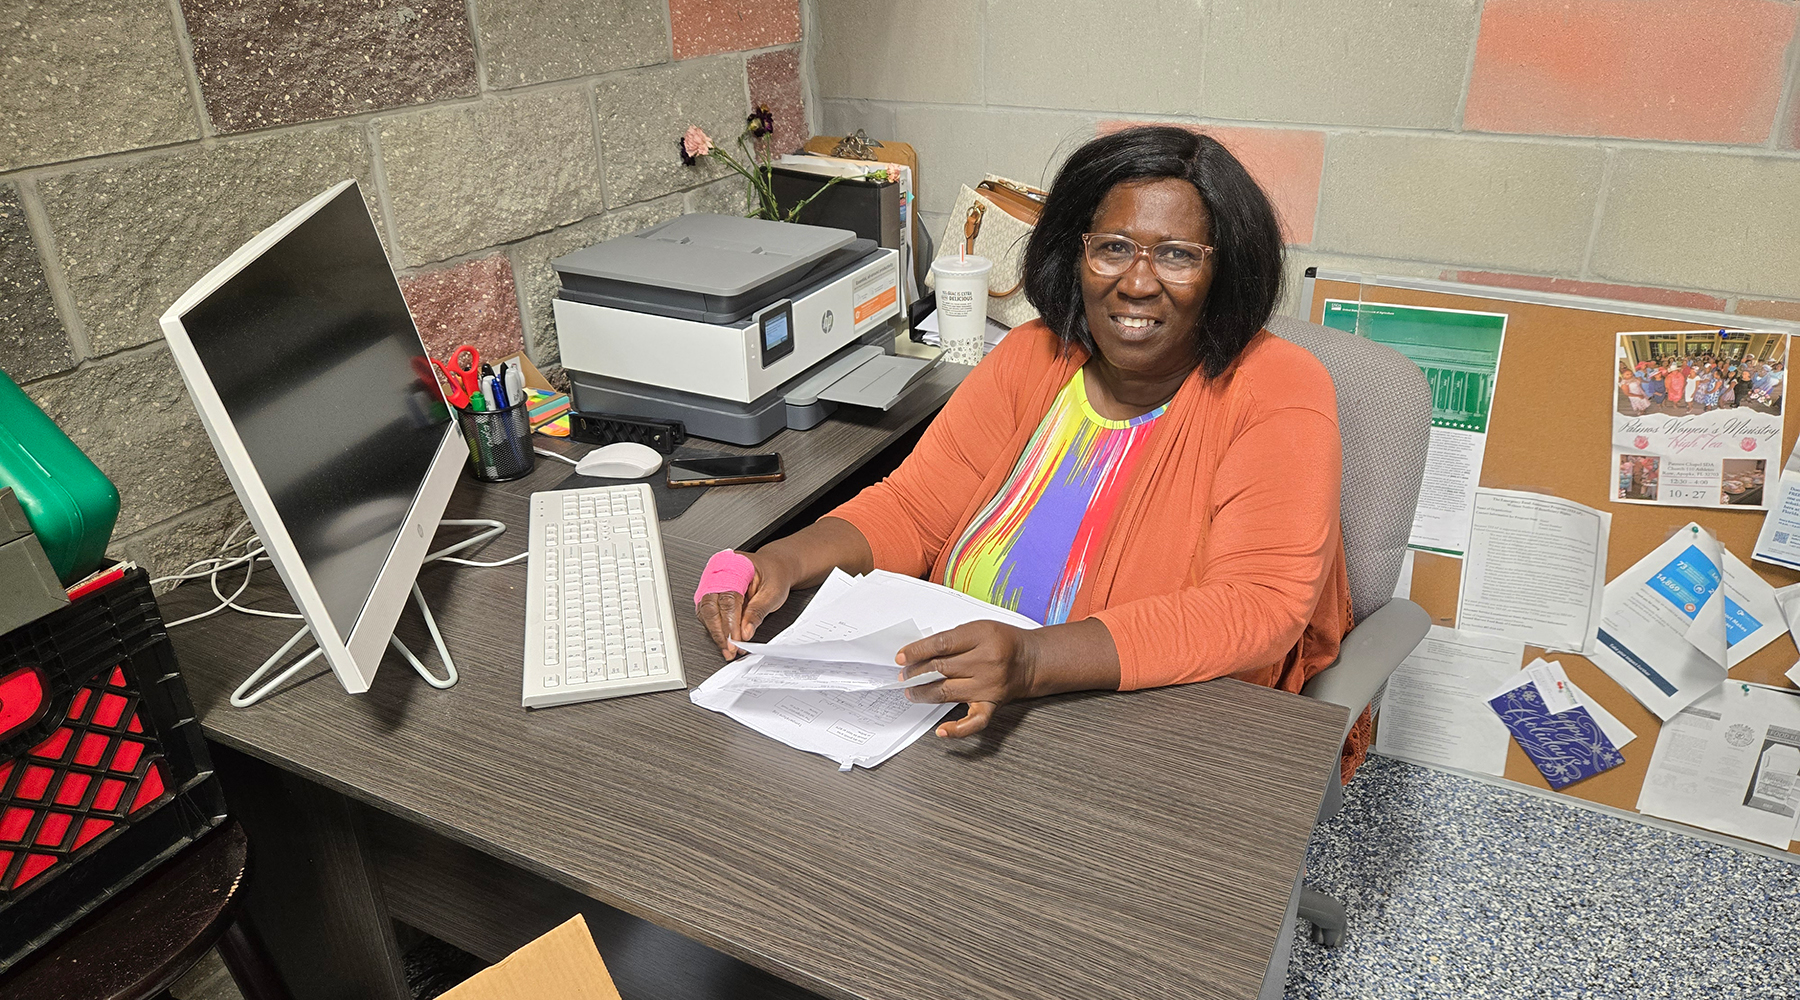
<point x="243" y="697"/>
<point x="547" y="453"/>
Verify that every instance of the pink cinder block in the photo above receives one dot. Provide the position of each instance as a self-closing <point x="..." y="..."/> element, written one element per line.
<point x="775" y="81"/>
<point x="1772" y="308"/>
<point x="1288" y="163"/>
<point x="1686" y="70"/>
<point x="470" y="303"/>
<point x="702" y="27"/>
<point x="1591" y="289"/>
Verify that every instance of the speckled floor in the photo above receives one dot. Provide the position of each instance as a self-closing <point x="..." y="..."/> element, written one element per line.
<point x="1461" y="889"/>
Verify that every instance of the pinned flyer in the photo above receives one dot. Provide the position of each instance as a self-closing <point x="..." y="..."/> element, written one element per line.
<point x="1730" y="762"/>
<point x="1672" y="625"/>
<point x="1697" y="417"/>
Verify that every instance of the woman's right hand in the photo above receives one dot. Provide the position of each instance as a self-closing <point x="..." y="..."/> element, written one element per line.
<point x="730" y="616"/>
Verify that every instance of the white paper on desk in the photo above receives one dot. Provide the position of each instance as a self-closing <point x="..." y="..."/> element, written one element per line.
<point x="1730" y="762"/>
<point x="1648" y="624"/>
<point x="990" y="338"/>
<point x="1435" y="707"/>
<point x="1535" y="570"/>
<point x="1617" y="732"/>
<point x="860" y="663"/>
<point x="860" y="728"/>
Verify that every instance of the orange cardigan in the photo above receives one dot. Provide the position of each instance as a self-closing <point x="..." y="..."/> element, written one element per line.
<point x="1224" y="559"/>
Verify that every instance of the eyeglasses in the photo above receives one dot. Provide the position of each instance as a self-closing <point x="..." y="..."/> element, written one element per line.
<point x="1177" y="262"/>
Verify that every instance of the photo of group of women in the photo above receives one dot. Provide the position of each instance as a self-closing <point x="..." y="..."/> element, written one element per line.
<point x="1697" y="416"/>
<point x="1683" y="387"/>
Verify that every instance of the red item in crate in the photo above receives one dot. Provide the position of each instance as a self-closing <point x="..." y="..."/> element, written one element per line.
<point x="86" y="779"/>
<point x="103" y="769"/>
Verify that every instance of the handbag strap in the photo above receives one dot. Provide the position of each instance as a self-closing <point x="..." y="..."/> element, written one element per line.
<point x="972" y="229"/>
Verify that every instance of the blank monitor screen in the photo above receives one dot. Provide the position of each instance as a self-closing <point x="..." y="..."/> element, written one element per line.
<point x="316" y="358"/>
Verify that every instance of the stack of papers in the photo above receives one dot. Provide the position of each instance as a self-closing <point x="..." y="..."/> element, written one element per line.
<point x="828" y="684"/>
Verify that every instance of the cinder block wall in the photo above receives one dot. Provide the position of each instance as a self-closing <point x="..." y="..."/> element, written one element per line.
<point x="1639" y="149"/>
<point x="141" y="142"/>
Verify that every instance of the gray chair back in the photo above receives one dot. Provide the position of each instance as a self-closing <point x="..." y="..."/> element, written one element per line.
<point x="1384" y="417"/>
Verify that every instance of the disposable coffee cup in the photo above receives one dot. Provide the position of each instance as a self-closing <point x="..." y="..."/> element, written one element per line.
<point x="962" y="300"/>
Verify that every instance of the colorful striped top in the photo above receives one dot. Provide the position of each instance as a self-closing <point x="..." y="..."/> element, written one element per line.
<point x="1030" y="547"/>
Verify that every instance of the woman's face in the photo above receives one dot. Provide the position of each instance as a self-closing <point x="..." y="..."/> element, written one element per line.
<point x="1140" y="324"/>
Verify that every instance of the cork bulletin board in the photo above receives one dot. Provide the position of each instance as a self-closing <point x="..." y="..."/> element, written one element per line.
<point x="1550" y="432"/>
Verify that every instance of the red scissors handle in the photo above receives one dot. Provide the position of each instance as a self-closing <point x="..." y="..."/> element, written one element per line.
<point x="454" y="393"/>
<point x="463" y="371"/>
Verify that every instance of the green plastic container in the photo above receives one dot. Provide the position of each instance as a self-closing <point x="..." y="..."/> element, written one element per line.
<point x="71" y="504"/>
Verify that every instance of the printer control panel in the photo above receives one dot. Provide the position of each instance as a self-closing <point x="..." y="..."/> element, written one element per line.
<point x="776" y="327"/>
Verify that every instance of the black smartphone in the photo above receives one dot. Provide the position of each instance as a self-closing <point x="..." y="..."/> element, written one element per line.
<point x="725" y="471"/>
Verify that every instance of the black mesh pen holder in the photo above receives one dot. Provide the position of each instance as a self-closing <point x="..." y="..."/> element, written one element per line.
<point x="499" y="442"/>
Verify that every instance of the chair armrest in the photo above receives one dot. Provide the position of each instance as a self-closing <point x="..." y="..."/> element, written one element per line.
<point x="1368" y="656"/>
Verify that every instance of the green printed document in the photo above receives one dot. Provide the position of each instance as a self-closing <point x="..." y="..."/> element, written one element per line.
<point x="1459" y="352"/>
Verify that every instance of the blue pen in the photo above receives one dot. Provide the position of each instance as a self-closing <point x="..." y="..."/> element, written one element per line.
<point x="498" y="392"/>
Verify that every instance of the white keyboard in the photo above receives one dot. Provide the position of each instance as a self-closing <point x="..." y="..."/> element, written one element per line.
<point x="598" y="623"/>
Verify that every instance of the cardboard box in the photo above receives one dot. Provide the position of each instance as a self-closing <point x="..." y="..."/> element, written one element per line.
<point x="561" y="965"/>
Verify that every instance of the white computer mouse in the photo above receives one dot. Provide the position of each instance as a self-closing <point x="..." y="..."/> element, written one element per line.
<point x="624" y="460"/>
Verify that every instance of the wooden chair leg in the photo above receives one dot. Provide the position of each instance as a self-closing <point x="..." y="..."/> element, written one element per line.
<point x="248" y="962"/>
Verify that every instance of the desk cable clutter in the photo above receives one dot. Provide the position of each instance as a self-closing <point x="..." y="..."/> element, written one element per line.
<point x="210" y="568"/>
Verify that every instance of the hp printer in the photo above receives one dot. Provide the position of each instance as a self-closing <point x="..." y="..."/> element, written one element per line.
<point x="736" y="327"/>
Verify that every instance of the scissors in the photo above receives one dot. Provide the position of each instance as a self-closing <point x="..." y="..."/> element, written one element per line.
<point x="464" y="375"/>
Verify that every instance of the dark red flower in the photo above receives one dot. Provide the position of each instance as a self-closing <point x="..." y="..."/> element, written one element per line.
<point x="761" y="122"/>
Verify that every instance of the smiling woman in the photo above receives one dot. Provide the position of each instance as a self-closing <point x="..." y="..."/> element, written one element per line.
<point x="1145" y="470"/>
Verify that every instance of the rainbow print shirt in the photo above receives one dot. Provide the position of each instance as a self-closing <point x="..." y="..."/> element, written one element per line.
<point x="1031" y="546"/>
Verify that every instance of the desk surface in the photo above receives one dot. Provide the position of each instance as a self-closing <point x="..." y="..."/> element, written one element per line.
<point x="815" y="461"/>
<point x="1102" y="845"/>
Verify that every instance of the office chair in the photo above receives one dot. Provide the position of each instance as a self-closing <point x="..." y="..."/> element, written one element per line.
<point x="1384" y="416"/>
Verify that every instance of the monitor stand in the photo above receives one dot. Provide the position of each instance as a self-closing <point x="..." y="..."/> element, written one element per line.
<point x="244" y="697"/>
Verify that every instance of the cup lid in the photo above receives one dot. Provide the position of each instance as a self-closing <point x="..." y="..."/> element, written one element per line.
<point x="972" y="264"/>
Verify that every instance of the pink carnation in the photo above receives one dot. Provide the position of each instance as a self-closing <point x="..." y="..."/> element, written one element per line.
<point x="696" y="142"/>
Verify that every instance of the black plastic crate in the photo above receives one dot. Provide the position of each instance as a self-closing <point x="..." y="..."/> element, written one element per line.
<point x="103" y="770"/>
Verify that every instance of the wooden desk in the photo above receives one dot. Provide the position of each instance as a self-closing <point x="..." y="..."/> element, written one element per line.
<point x="1090" y="846"/>
<point x="815" y="461"/>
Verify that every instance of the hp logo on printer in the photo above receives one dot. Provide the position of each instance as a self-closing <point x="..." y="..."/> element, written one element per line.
<point x="825" y="322"/>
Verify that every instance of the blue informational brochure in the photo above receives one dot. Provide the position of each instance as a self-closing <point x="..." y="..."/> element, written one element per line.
<point x="1566" y="746"/>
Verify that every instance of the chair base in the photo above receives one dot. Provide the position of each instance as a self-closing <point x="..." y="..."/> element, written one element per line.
<point x="1325" y="914"/>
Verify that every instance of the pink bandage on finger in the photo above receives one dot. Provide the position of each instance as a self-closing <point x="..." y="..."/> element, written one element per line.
<point x="726" y="572"/>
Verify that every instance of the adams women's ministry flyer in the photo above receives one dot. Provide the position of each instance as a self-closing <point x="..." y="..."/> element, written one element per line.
<point x="1697" y="417"/>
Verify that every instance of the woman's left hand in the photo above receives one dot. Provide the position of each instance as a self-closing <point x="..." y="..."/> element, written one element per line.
<point x="985" y="663"/>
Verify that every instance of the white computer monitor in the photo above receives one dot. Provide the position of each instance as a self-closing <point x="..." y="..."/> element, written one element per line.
<point x="314" y="385"/>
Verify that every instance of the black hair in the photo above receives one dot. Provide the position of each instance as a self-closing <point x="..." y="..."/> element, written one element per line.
<point x="1245" y="235"/>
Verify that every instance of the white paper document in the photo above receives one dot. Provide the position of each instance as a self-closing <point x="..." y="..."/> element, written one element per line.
<point x="1535" y="570"/>
<point x="1730" y="762"/>
<point x="1459" y="353"/>
<point x="1435" y="707"/>
<point x="1556" y="689"/>
<point x="849" y="616"/>
<point x="1779" y="540"/>
<point x="860" y="663"/>
<point x="1672" y="625"/>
